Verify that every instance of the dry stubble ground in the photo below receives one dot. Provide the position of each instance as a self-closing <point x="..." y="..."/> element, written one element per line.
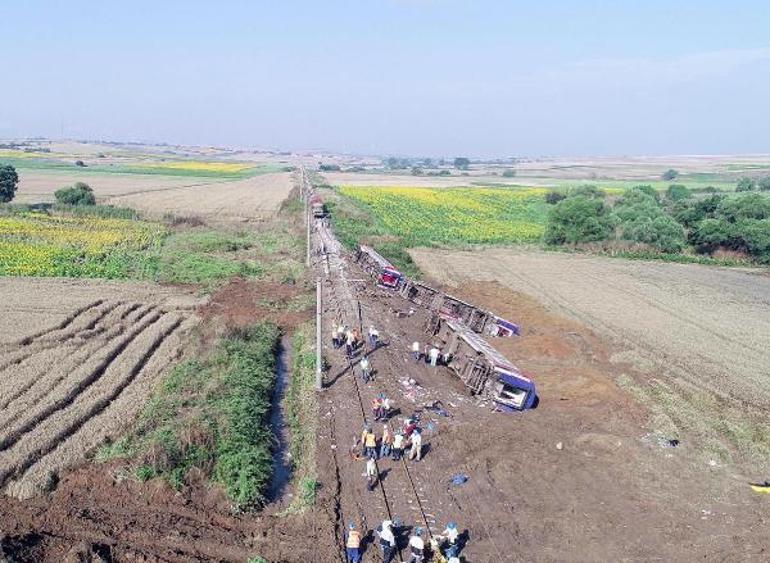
<point x="79" y="358"/>
<point x="697" y="334"/>
<point x="253" y="198"/>
<point x="36" y="186"/>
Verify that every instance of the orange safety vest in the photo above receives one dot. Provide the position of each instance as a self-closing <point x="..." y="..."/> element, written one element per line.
<point x="354" y="539"/>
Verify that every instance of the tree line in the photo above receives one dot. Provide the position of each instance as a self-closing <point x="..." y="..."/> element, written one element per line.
<point x="671" y="222"/>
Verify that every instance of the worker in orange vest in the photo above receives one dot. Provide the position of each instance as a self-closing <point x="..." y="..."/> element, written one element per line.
<point x="353" y="544"/>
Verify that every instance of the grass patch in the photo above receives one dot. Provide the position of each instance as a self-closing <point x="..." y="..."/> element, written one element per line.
<point x="720" y="432"/>
<point x="301" y="407"/>
<point x="211" y="414"/>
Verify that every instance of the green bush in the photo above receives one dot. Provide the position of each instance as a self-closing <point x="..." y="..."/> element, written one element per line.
<point x="78" y="194"/>
<point x="586" y="190"/>
<point x="553" y="197"/>
<point x="745" y="206"/>
<point x="509" y="173"/>
<point x="662" y="231"/>
<point x="764" y="184"/>
<point x="710" y="234"/>
<point x="677" y="192"/>
<point x="745" y="185"/>
<point x="756" y="238"/>
<point x="578" y="219"/>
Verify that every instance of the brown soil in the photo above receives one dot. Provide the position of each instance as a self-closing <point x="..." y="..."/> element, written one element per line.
<point x="238" y="303"/>
<point x="97" y="511"/>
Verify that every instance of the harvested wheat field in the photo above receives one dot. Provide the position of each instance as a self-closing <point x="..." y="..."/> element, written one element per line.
<point x="257" y="197"/>
<point x="79" y="359"/>
<point x="36" y="186"/>
<point x="697" y="334"/>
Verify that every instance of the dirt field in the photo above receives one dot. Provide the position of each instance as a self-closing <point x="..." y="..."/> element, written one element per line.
<point x="698" y="333"/>
<point x="38" y="186"/>
<point x="78" y="360"/>
<point x="257" y="197"/>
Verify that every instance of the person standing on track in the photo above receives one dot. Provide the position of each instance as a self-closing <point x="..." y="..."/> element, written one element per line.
<point x="398" y="447"/>
<point x="366" y="369"/>
<point x="416" y="452"/>
<point x="417" y="547"/>
<point x="434" y="354"/>
<point x="374" y="338"/>
<point x="387" y="541"/>
<point x="450" y="535"/>
<point x="371" y="474"/>
<point x="353" y="544"/>
<point x="386" y="442"/>
<point x="377" y="407"/>
<point x="349" y="342"/>
<point x="369" y="442"/>
<point x="416" y="351"/>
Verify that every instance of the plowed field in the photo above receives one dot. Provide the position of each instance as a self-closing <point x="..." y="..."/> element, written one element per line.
<point x="78" y="359"/>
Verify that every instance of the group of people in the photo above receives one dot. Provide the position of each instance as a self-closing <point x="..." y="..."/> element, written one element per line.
<point x="430" y="354"/>
<point x="390" y="444"/>
<point x="405" y="441"/>
<point x="442" y="548"/>
<point x="352" y="340"/>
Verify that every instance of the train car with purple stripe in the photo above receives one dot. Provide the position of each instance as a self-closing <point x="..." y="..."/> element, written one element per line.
<point x="513" y="391"/>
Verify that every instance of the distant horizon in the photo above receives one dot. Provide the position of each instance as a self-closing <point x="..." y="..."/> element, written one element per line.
<point x="331" y="152"/>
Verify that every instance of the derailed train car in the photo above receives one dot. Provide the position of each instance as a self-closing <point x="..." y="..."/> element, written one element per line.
<point x="378" y="267"/>
<point x="451" y="308"/>
<point x="483" y="369"/>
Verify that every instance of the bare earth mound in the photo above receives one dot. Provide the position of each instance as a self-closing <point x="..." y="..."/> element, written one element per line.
<point x="253" y="198"/>
<point x="79" y="359"/>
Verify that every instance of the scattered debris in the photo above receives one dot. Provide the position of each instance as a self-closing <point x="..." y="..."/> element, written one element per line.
<point x="559" y="446"/>
<point x="438" y="408"/>
<point x="762" y="488"/>
<point x="660" y="440"/>
<point x="458" y="479"/>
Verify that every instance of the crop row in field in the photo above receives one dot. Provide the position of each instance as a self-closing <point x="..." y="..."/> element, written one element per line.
<point x="66" y="389"/>
<point x="426" y="216"/>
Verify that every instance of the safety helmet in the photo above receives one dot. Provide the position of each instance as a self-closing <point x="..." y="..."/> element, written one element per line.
<point x="418" y="531"/>
<point x="351" y="526"/>
<point x="451" y="525"/>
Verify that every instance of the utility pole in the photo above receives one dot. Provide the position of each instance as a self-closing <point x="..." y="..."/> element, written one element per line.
<point x="318" y="368"/>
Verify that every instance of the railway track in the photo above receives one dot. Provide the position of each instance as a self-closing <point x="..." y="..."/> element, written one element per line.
<point x="404" y="491"/>
<point x="398" y="492"/>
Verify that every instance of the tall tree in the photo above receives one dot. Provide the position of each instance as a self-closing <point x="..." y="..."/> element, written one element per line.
<point x="9" y="180"/>
<point x="462" y="163"/>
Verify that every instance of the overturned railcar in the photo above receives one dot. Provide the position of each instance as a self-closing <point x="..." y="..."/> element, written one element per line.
<point x="483" y="369"/>
<point x="378" y="267"/>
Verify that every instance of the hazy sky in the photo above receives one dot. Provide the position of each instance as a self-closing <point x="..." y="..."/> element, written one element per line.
<point x="405" y="77"/>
